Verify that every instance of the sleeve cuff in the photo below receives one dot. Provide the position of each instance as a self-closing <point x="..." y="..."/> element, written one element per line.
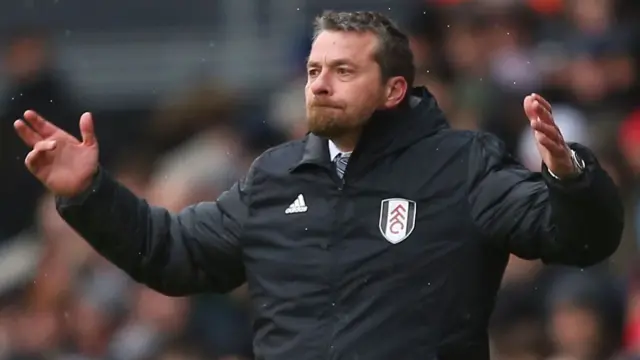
<point x="580" y="167"/>
<point x="576" y="184"/>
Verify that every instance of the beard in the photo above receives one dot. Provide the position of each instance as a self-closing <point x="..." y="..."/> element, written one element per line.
<point x="336" y="122"/>
<point x="329" y="122"/>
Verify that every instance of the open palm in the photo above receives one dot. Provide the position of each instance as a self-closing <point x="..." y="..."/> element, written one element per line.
<point x="61" y="162"/>
<point x="553" y="149"/>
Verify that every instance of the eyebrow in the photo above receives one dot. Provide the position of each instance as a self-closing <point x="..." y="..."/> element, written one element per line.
<point x="332" y="63"/>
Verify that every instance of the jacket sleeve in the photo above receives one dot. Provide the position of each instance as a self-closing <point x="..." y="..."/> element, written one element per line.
<point x="575" y="222"/>
<point x="195" y="250"/>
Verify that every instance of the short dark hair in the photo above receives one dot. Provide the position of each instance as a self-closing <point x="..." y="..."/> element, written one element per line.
<point x="393" y="54"/>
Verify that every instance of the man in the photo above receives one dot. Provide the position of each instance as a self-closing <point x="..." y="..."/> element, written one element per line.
<point x="397" y="256"/>
<point x="33" y="84"/>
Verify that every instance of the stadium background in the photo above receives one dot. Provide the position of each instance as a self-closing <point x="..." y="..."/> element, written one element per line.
<point x="186" y="93"/>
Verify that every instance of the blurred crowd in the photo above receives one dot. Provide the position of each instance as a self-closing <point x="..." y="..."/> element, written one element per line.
<point x="60" y="300"/>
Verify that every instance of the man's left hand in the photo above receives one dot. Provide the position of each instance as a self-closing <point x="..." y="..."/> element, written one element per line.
<point x="554" y="151"/>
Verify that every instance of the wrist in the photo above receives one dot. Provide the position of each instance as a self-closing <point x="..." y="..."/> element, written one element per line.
<point x="87" y="185"/>
<point x="576" y="168"/>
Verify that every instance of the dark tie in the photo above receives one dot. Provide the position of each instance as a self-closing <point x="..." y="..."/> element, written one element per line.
<point x="341" y="164"/>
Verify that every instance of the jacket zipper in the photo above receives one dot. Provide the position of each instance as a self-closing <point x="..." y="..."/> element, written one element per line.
<point x="333" y="270"/>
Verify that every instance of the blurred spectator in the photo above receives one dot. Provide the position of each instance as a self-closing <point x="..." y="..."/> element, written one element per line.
<point x="517" y="325"/>
<point x="33" y="84"/>
<point x="586" y="316"/>
<point x="288" y="113"/>
<point x="196" y="110"/>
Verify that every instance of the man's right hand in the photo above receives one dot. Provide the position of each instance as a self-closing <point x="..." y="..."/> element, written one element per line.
<point x="63" y="164"/>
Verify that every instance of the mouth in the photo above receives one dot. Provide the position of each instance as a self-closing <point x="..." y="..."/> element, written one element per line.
<point x="327" y="106"/>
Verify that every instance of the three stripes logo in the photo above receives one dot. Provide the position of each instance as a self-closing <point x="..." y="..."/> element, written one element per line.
<point x="298" y="206"/>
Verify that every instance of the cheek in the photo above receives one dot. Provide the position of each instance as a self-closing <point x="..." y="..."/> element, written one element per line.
<point x="308" y="95"/>
<point x="372" y="98"/>
<point x="365" y="92"/>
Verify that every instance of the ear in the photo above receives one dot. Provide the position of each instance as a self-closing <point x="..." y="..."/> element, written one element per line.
<point x="396" y="90"/>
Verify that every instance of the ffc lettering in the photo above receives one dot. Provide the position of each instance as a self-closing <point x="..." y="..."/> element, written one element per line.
<point x="397" y="219"/>
<point x="396" y="223"/>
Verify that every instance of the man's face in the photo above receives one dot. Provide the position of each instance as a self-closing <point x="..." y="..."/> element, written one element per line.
<point x="344" y="85"/>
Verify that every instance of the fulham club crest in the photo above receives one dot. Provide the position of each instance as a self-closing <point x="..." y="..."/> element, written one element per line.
<point x="397" y="219"/>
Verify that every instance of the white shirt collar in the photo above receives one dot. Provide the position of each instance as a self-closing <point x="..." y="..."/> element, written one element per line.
<point x="334" y="151"/>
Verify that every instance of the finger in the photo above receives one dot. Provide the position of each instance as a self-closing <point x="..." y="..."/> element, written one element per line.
<point x="26" y="133"/>
<point x="554" y="148"/>
<point x="529" y="108"/>
<point x="43" y="127"/>
<point x="542" y="113"/>
<point x="549" y="130"/>
<point x="536" y="110"/>
<point x="542" y="102"/>
<point x="32" y="159"/>
<point x="39" y="150"/>
<point x="46" y="145"/>
<point x="87" y="129"/>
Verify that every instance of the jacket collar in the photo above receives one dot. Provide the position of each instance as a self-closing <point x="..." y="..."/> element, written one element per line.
<point x="386" y="132"/>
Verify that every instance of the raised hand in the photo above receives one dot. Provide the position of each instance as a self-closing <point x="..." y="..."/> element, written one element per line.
<point x="62" y="163"/>
<point x="551" y="145"/>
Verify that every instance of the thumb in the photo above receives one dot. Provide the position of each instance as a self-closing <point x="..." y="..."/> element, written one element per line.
<point x="86" y="129"/>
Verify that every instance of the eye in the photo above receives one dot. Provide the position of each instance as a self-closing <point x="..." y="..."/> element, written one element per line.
<point x="313" y="72"/>
<point x="343" y="71"/>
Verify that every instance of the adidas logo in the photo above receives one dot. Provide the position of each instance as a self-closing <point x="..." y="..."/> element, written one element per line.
<point x="298" y="206"/>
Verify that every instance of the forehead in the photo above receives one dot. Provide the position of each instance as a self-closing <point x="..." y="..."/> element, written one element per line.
<point x="357" y="47"/>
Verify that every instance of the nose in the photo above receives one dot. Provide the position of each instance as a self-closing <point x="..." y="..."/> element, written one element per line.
<point x="320" y="85"/>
